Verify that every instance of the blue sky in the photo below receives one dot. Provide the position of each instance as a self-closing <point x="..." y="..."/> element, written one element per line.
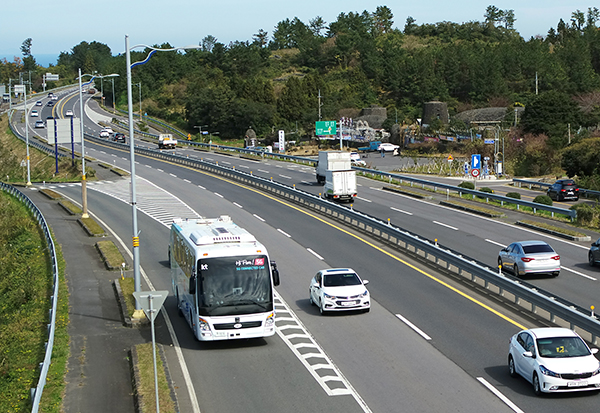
<point x="59" y="25"/>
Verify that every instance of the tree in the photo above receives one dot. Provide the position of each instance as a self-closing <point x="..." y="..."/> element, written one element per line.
<point x="582" y="159"/>
<point x="260" y="38"/>
<point x="509" y="19"/>
<point x="382" y="20"/>
<point x="409" y="25"/>
<point x="208" y="43"/>
<point x="28" y="60"/>
<point x="493" y="15"/>
<point x="550" y="113"/>
<point x="317" y="25"/>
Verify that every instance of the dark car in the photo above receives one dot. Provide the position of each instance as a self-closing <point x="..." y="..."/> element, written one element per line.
<point x="50" y="103"/>
<point x="118" y="137"/>
<point x="594" y="253"/>
<point x="563" y="189"/>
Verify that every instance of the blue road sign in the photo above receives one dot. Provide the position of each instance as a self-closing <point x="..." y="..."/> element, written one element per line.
<point x="475" y="161"/>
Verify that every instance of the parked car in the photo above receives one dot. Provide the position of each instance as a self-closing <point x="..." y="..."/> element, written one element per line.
<point x="388" y="147"/>
<point x="39" y="124"/>
<point x="553" y="360"/>
<point x="339" y="289"/>
<point x="594" y="253"/>
<point x="69" y="113"/>
<point x="118" y="137"/>
<point x="563" y="189"/>
<point x="34" y="113"/>
<point x="529" y="257"/>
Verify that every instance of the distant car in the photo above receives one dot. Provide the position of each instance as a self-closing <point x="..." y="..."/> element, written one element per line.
<point x="54" y="97"/>
<point x="118" y="137"/>
<point x="355" y="159"/>
<point x="108" y="129"/>
<point x="38" y="103"/>
<point x="388" y="147"/>
<point x="529" y="257"/>
<point x="69" y="113"/>
<point x="563" y="189"/>
<point x="553" y="360"/>
<point x="339" y="289"/>
<point x="39" y="124"/>
<point x="594" y="253"/>
<point x="104" y="134"/>
<point x="34" y="113"/>
<point x="50" y="95"/>
<point x="50" y="103"/>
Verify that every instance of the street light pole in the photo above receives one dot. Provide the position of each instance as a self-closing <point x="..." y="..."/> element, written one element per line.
<point x="136" y="239"/>
<point x="83" y="177"/>
<point x="27" y="137"/>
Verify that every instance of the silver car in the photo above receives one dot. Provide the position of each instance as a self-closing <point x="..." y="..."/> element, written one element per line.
<point x="529" y="257"/>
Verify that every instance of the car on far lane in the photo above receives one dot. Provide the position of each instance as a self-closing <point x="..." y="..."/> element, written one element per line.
<point x="39" y="124"/>
<point x="388" y="147"/>
<point x="118" y="137"/>
<point x="563" y="189"/>
<point x="104" y="133"/>
<point x="356" y="161"/>
<point x="38" y="103"/>
<point x="529" y="257"/>
<point x="69" y="113"/>
<point x="339" y="289"/>
<point x="34" y="113"/>
<point x="553" y="360"/>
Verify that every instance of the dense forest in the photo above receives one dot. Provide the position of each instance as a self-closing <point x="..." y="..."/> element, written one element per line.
<point x="283" y="79"/>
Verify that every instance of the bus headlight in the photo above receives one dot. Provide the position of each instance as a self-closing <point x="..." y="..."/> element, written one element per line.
<point x="270" y="320"/>
<point x="203" y="324"/>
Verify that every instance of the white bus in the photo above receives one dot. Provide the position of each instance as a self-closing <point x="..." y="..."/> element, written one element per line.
<point x="222" y="278"/>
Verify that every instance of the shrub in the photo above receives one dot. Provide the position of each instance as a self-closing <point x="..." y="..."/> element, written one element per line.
<point x="515" y="195"/>
<point x="587" y="215"/>
<point x="466" y="185"/>
<point x="485" y="189"/>
<point x="543" y="199"/>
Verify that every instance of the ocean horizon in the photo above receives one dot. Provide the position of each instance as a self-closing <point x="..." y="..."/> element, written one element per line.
<point x="43" y="60"/>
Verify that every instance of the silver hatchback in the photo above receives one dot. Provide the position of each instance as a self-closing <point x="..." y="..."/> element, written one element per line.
<point x="529" y="257"/>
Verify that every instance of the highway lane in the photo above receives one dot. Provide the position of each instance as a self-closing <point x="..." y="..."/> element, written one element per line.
<point x="415" y="307"/>
<point x="473" y="235"/>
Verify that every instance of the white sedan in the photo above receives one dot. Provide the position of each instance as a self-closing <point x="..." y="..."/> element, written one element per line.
<point x="339" y="289"/>
<point x="553" y="360"/>
<point x="69" y="113"/>
<point x="34" y="113"/>
<point x="388" y="147"/>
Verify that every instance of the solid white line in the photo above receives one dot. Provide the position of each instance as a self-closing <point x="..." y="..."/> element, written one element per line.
<point x="219" y="195"/>
<point x="579" y="273"/>
<point x="495" y="243"/>
<point x="445" y="225"/>
<point x="315" y="254"/>
<point x="237" y="205"/>
<point x="259" y="218"/>
<point x="399" y="210"/>
<point x="363" y="199"/>
<point x="284" y="233"/>
<point x="414" y="327"/>
<point x="502" y="397"/>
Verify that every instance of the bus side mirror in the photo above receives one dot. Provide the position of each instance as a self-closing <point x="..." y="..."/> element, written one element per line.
<point x="275" y="273"/>
<point x="192" y="287"/>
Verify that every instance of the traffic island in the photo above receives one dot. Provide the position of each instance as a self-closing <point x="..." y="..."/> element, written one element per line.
<point x="490" y="213"/>
<point x="556" y="231"/>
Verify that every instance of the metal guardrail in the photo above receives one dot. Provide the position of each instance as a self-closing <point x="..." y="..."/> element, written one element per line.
<point x="543" y="304"/>
<point x="531" y="184"/>
<point x="36" y="393"/>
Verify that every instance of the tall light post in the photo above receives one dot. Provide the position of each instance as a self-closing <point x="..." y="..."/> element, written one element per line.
<point x="83" y="174"/>
<point x="135" y="238"/>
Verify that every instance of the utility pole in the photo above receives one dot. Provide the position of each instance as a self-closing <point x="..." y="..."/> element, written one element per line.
<point x="320" y="104"/>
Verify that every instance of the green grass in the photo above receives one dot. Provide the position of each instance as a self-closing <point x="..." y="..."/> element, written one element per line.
<point x="93" y="226"/>
<point x="128" y="287"/>
<point x="112" y="255"/>
<point x="553" y="228"/>
<point x="25" y="289"/>
<point x="146" y="386"/>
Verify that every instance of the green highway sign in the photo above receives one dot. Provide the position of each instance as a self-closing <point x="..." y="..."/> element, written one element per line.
<point x="327" y="127"/>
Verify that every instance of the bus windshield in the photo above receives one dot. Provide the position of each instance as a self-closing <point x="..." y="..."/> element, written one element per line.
<point x="234" y="285"/>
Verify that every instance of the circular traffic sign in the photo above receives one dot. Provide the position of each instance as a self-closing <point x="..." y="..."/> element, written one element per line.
<point x="475" y="173"/>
